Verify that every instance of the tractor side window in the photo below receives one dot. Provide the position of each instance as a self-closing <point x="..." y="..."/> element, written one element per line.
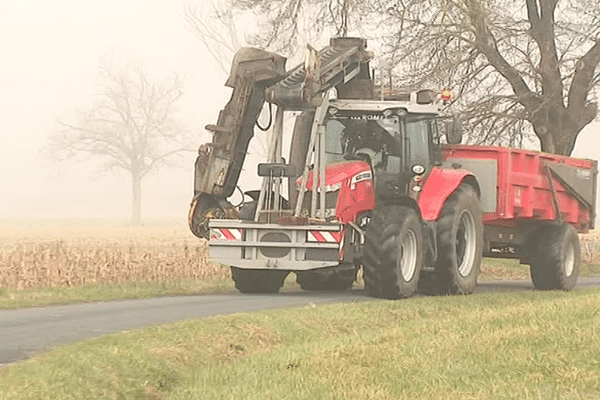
<point x="391" y="160"/>
<point x="418" y="133"/>
<point x="333" y="142"/>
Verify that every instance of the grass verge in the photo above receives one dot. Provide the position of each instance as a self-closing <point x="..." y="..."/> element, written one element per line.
<point x="534" y="345"/>
<point x="36" y="297"/>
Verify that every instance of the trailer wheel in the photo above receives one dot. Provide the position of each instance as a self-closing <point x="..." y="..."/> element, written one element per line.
<point x="393" y="252"/>
<point x="460" y="243"/>
<point x="558" y="258"/>
<point x="326" y="280"/>
<point x="258" y="280"/>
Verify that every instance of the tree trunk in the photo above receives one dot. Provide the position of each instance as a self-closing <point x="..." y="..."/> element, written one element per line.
<point x="136" y="198"/>
<point x="557" y="127"/>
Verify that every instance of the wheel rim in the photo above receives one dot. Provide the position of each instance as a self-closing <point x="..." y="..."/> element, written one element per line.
<point x="569" y="260"/>
<point x="466" y="243"/>
<point x="408" y="259"/>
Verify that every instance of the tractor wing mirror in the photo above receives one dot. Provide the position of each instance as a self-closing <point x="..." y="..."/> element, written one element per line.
<point x="454" y="131"/>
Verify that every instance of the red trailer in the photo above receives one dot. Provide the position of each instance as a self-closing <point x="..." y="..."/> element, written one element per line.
<point x="533" y="206"/>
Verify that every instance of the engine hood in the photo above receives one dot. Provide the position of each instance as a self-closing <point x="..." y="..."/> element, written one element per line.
<point x="337" y="173"/>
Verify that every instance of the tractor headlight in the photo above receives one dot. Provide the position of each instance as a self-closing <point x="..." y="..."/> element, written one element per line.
<point x="418" y="169"/>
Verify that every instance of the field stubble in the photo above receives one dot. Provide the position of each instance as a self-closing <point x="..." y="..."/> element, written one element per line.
<point x="76" y="253"/>
<point x="69" y="253"/>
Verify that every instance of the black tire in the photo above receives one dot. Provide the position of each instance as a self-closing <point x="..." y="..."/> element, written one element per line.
<point x="558" y="259"/>
<point x="258" y="280"/>
<point x="339" y="280"/>
<point x="393" y="252"/>
<point x="460" y="243"/>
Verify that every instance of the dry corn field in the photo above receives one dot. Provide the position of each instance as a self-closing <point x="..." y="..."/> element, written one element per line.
<point x="75" y="253"/>
<point x="590" y="248"/>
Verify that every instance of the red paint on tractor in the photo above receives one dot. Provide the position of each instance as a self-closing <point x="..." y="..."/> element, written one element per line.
<point x="354" y="180"/>
<point x="439" y="185"/>
<point x="338" y="172"/>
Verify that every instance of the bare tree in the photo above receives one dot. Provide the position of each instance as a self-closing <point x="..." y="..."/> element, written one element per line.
<point x="130" y="128"/>
<point x="513" y="65"/>
<point x="217" y="27"/>
<point x="516" y="67"/>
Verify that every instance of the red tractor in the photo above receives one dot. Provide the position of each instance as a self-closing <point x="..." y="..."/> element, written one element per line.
<point x="371" y="185"/>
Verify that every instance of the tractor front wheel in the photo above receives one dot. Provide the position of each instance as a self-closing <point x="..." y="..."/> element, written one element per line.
<point x="393" y="252"/>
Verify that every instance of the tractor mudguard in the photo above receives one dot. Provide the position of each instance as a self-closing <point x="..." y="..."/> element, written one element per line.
<point x="439" y="185"/>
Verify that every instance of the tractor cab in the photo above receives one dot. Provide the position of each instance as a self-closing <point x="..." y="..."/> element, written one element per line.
<point x="396" y="139"/>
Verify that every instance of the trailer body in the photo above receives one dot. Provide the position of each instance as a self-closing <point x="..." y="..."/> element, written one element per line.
<point x="526" y="182"/>
<point x="522" y="191"/>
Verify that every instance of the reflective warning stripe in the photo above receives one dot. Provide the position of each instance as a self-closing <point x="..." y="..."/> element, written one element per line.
<point x="229" y="234"/>
<point x="341" y="248"/>
<point x="324" y="236"/>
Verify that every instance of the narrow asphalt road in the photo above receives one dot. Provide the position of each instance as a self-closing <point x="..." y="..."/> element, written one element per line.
<point x="24" y="332"/>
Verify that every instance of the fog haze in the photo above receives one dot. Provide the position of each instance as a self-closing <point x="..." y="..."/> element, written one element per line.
<point x="50" y="52"/>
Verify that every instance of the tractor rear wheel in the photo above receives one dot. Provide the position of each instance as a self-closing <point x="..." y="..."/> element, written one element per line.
<point x="460" y="242"/>
<point x="393" y="252"/>
<point x="258" y="280"/>
<point x="558" y="258"/>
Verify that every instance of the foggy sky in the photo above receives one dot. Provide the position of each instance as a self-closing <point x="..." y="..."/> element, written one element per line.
<point x="50" y="51"/>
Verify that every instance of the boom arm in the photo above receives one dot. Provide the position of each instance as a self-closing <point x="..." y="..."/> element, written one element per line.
<point x="343" y="64"/>
<point x="257" y="76"/>
<point x="219" y="163"/>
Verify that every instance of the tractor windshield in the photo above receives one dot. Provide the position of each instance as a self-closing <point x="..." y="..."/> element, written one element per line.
<point x="377" y="139"/>
<point x="373" y="138"/>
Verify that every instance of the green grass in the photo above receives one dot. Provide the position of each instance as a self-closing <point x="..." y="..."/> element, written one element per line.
<point x="526" y="345"/>
<point x="502" y="269"/>
<point x="16" y="298"/>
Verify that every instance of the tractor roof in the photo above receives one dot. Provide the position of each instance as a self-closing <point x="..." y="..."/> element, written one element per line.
<point x="411" y="107"/>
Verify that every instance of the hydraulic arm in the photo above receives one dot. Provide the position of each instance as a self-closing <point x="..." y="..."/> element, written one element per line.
<point x="258" y="76"/>
<point x="219" y="163"/>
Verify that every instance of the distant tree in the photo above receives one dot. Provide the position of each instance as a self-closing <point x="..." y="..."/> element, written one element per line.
<point x="515" y="67"/>
<point x="130" y="128"/>
<point x="218" y="28"/>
